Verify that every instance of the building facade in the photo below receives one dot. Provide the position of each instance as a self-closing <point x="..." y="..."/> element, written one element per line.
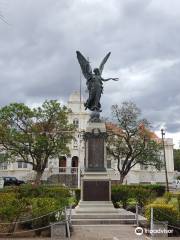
<point x="73" y="163"/>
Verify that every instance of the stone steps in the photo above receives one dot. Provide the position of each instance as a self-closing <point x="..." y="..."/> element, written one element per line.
<point x="96" y="210"/>
<point x="100" y="213"/>
<point x="102" y="221"/>
<point x="102" y="216"/>
<point x="95" y="207"/>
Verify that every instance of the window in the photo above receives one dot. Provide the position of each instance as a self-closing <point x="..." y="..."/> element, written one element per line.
<point x="76" y="122"/>
<point x="22" y="165"/>
<point x="62" y="164"/>
<point x="3" y="166"/>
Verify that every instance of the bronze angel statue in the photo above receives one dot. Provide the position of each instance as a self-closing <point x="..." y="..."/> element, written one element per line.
<point x="94" y="81"/>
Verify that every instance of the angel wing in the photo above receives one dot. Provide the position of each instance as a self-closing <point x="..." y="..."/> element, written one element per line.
<point x="103" y="62"/>
<point x="85" y="65"/>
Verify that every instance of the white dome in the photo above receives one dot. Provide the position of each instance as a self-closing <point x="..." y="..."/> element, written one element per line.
<point x="75" y="97"/>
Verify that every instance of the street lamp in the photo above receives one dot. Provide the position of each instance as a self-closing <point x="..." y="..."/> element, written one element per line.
<point x="164" y="157"/>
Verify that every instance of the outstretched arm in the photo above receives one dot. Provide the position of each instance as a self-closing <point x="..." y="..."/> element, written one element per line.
<point x="107" y="79"/>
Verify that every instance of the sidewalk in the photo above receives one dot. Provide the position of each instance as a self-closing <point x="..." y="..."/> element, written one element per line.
<point x="107" y="232"/>
<point x="102" y="232"/>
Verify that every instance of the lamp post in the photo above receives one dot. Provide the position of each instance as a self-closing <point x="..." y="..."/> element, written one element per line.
<point x="164" y="157"/>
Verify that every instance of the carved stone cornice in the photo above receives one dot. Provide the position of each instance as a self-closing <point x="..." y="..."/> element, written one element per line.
<point x="95" y="133"/>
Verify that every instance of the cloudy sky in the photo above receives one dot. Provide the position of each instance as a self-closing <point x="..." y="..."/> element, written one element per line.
<point x="38" y="61"/>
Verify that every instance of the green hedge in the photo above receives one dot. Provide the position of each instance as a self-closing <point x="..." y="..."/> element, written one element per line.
<point x="29" y="201"/>
<point x="11" y="207"/>
<point x="162" y="212"/>
<point x="29" y="190"/>
<point x="156" y="188"/>
<point x="43" y="206"/>
<point x="121" y="194"/>
<point x="141" y="193"/>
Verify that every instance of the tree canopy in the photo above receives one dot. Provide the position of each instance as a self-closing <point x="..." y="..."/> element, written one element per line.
<point x="131" y="142"/>
<point x="35" y="135"/>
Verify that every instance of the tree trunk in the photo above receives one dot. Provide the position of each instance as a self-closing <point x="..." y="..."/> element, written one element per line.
<point x="38" y="177"/>
<point x="121" y="178"/>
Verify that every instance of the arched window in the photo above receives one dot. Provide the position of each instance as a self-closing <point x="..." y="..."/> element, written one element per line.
<point x="76" y="122"/>
<point x="62" y="163"/>
<point x="74" y="162"/>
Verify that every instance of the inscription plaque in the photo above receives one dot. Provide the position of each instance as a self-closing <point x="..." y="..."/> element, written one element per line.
<point x="96" y="154"/>
<point x="96" y="191"/>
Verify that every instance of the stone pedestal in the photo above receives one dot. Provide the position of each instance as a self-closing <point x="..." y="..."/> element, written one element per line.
<point x="95" y="206"/>
<point x="95" y="184"/>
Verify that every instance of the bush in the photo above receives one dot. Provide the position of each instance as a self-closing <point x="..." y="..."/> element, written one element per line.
<point x="120" y="193"/>
<point x="143" y="195"/>
<point x="9" y="189"/>
<point x="56" y="192"/>
<point x="33" y="191"/>
<point x="156" y="188"/>
<point x="77" y="194"/>
<point x="162" y="212"/>
<point x="29" y="190"/>
<point x="131" y="204"/>
<point x="160" y="200"/>
<point x="11" y="207"/>
<point x="40" y="207"/>
<point x="29" y="201"/>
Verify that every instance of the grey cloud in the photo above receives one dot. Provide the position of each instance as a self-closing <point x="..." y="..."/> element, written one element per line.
<point x="38" y="61"/>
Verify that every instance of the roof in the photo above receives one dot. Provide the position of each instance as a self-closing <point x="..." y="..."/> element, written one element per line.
<point x="111" y="127"/>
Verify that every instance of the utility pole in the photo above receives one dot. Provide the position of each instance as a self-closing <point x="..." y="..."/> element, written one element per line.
<point x="164" y="157"/>
<point x="79" y="132"/>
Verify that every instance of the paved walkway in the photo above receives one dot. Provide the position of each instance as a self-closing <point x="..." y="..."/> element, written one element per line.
<point x="109" y="232"/>
<point x="105" y="232"/>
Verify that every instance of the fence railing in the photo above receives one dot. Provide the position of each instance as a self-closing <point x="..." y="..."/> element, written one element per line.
<point x="65" y="170"/>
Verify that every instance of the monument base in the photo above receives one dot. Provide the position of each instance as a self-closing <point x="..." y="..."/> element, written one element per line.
<point x="95" y="186"/>
<point x="98" y="207"/>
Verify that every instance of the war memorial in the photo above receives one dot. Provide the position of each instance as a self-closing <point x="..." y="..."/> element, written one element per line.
<point x="95" y="206"/>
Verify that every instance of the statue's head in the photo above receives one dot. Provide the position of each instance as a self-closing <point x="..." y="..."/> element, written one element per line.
<point x="96" y="71"/>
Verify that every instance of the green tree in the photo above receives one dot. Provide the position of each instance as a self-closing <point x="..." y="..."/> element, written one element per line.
<point x="35" y="135"/>
<point x="131" y="141"/>
<point x="177" y="160"/>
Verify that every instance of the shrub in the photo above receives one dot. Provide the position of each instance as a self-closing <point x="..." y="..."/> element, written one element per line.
<point x="11" y="207"/>
<point x="44" y="206"/>
<point x="56" y="192"/>
<point x="121" y="193"/>
<point x="131" y="204"/>
<point x="158" y="189"/>
<point x="29" y="202"/>
<point x="142" y="195"/>
<point x="77" y="194"/>
<point x="162" y="212"/>
<point x="33" y="191"/>
<point x="9" y="189"/>
<point x="160" y="200"/>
